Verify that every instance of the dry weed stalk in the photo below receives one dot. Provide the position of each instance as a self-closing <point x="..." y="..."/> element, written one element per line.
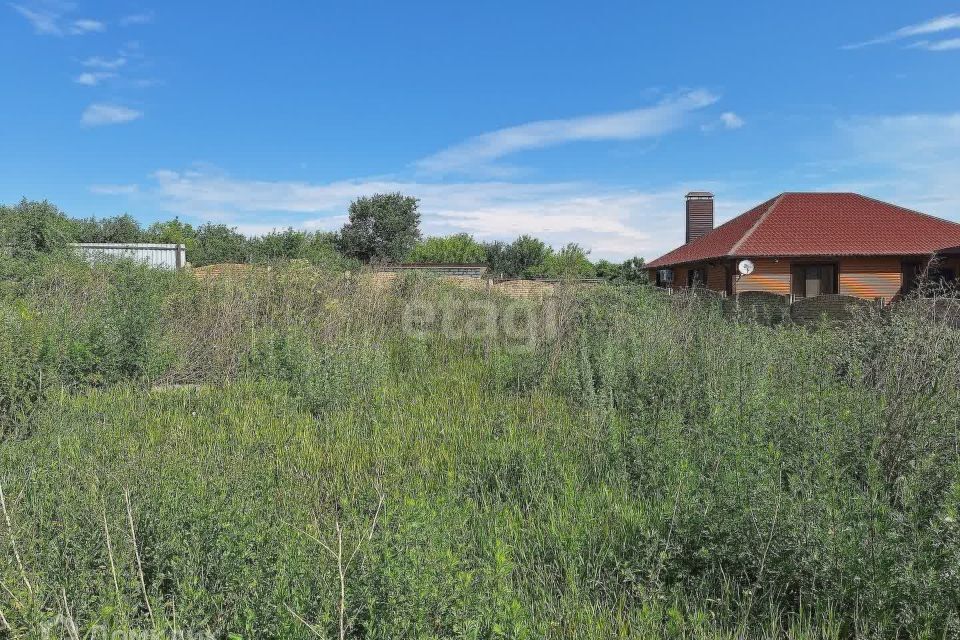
<point x="136" y="552"/>
<point x="343" y="563"/>
<point x="13" y="543"/>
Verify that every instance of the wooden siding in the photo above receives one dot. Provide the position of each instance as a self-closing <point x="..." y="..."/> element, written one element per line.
<point x="768" y="275"/>
<point x="870" y="278"/>
<point x="867" y="277"/>
<point x="680" y="278"/>
<point x="699" y="217"/>
<point x="717" y="277"/>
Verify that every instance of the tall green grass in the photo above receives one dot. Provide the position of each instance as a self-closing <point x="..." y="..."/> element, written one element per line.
<point x="180" y="455"/>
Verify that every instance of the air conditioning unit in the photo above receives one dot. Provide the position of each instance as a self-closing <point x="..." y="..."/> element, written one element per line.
<point x="665" y="276"/>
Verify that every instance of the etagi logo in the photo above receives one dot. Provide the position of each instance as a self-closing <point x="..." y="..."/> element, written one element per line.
<point x="519" y="323"/>
<point x="61" y="627"/>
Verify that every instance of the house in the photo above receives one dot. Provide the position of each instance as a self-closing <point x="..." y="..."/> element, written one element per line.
<point x="807" y="244"/>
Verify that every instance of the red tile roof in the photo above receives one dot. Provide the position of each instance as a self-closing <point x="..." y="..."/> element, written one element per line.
<point x="820" y="224"/>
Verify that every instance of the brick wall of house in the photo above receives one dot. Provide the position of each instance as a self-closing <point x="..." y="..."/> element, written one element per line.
<point x="768" y="275"/>
<point x="870" y="278"/>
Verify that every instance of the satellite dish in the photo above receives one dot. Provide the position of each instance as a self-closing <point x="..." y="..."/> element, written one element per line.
<point x="745" y="267"/>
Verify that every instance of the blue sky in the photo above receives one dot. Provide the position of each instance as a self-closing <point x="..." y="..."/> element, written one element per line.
<point x="576" y="122"/>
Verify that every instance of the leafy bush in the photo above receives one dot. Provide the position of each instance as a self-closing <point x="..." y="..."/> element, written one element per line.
<point x="26" y="374"/>
<point x="30" y="228"/>
<point x="218" y="243"/>
<point x="459" y="248"/>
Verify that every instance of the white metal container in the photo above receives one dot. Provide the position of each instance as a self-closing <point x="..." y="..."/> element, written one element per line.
<point x="161" y="256"/>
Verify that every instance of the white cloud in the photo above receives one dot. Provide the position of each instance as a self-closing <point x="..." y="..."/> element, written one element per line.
<point x="92" y="79"/>
<point x="479" y="152"/>
<point x="102" y="114"/>
<point x="939" y="45"/>
<point x="48" y="18"/>
<point x="114" y="189"/>
<point x="934" y="25"/>
<point x="45" y="20"/>
<point x="612" y="222"/>
<point x="731" y="120"/>
<point x="144" y="17"/>
<point x="98" y="62"/>
<point x="79" y="27"/>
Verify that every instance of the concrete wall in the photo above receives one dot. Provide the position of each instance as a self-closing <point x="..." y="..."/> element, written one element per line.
<point x="161" y="256"/>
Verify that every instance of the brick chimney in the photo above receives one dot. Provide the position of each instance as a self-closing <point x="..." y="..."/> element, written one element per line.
<point x="699" y="214"/>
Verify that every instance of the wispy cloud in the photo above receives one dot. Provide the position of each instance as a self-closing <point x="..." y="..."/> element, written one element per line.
<point x="92" y="79"/>
<point x="479" y="152"/>
<point x="144" y="17"/>
<point x="114" y="189"/>
<point x="612" y="222"/>
<point x="97" y="62"/>
<point x="100" y="114"/>
<point x="938" y="45"/>
<point x="45" y="21"/>
<point x="934" y="25"/>
<point x="48" y="18"/>
<point x="79" y="27"/>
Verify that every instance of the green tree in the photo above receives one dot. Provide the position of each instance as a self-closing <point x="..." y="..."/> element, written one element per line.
<point x="634" y="270"/>
<point x="382" y="228"/>
<point x="498" y="259"/>
<point x="288" y="244"/>
<point x="120" y="229"/>
<point x="609" y="270"/>
<point x="172" y="232"/>
<point x="526" y="256"/>
<point x="459" y="248"/>
<point x="321" y="250"/>
<point x="33" y="227"/>
<point x="218" y="243"/>
<point x="570" y="262"/>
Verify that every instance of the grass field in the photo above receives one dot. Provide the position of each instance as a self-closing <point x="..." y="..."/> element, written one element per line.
<point x="297" y="454"/>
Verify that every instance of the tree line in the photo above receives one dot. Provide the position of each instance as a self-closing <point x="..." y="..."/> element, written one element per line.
<point x="381" y="229"/>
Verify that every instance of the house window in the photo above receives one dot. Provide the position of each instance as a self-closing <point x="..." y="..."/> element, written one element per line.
<point x="811" y="280"/>
<point x="696" y="277"/>
<point x="664" y="277"/>
<point x="935" y="275"/>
